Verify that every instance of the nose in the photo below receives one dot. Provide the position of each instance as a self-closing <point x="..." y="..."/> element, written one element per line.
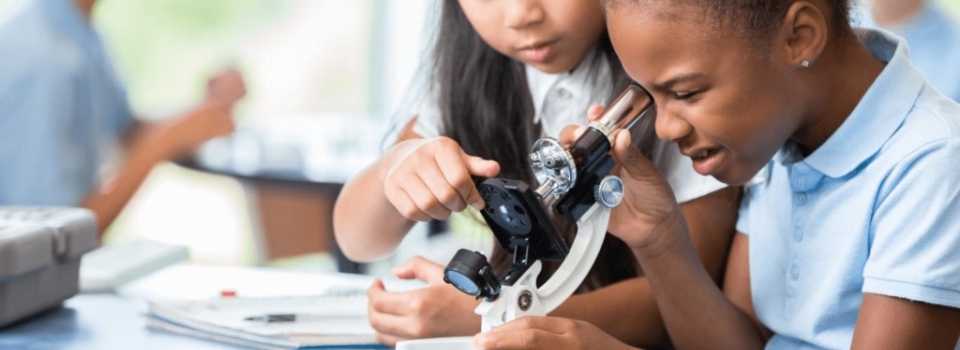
<point x="524" y="13"/>
<point x="670" y="126"/>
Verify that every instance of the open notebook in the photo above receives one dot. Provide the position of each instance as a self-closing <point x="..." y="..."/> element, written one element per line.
<point x="336" y="320"/>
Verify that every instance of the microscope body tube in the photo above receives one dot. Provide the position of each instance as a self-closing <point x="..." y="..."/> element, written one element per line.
<point x="590" y="152"/>
<point x="623" y="112"/>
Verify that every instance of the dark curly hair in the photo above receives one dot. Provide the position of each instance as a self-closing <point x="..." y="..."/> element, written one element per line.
<point x="753" y="19"/>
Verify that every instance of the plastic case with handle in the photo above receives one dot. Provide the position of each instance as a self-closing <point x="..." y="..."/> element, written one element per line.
<point x="40" y="250"/>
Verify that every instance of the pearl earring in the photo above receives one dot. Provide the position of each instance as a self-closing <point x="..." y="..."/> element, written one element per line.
<point x="805" y="63"/>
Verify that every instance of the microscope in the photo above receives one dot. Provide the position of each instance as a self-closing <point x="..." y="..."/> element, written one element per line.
<point x="576" y="182"/>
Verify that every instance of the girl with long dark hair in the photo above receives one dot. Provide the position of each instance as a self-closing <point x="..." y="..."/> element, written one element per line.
<point x="505" y="73"/>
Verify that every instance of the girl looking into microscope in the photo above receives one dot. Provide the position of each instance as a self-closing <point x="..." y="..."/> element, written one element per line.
<point x="505" y="73"/>
<point x="849" y="242"/>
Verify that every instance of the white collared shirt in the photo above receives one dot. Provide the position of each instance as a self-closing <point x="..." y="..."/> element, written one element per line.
<point x="562" y="99"/>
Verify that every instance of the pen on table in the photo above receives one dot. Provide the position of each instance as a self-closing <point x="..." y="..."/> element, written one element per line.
<point x="273" y="318"/>
<point x="293" y="317"/>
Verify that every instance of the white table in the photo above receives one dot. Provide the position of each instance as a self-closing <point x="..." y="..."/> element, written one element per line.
<point x="115" y="320"/>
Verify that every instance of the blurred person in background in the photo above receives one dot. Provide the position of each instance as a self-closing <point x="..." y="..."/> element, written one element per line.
<point x="932" y="35"/>
<point x="62" y="106"/>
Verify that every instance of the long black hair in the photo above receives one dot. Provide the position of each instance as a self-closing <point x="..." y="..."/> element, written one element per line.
<point x="486" y="106"/>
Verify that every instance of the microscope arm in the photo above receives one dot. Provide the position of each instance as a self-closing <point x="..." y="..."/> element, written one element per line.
<point x="591" y="230"/>
<point x="523" y="298"/>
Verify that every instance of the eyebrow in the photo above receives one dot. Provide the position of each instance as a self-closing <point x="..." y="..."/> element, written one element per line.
<point x="667" y="85"/>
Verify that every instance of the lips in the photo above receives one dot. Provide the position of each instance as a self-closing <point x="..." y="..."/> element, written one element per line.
<point x="705" y="160"/>
<point x="701" y="154"/>
<point x="538" y="51"/>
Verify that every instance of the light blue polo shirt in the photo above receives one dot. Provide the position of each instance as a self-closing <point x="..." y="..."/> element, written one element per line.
<point x="875" y="209"/>
<point x="60" y="104"/>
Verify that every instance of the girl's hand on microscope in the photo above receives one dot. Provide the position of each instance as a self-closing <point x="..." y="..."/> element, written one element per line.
<point x="649" y="210"/>
<point x="430" y="178"/>
<point x="546" y="333"/>
<point x="437" y="310"/>
<point x="648" y="202"/>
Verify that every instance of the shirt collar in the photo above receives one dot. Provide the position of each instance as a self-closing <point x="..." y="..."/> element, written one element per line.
<point x="879" y="114"/>
<point x="540" y="85"/>
<point x="573" y="82"/>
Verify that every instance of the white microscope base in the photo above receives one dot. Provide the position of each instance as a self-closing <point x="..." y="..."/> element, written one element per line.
<point x="449" y="343"/>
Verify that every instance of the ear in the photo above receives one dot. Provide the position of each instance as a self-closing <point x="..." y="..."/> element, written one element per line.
<point x="804" y="33"/>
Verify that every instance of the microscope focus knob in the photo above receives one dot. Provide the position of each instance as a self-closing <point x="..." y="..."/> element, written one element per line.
<point x="609" y="191"/>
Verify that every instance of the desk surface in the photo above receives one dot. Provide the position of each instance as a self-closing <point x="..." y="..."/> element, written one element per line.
<point x="97" y="321"/>
<point x="115" y="320"/>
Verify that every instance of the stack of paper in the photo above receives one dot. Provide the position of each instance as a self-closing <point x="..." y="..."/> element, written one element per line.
<point x="328" y="321"/>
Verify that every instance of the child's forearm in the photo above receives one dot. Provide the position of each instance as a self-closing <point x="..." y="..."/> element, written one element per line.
<point x="112" y="195"/>
<point x="697" y="313"/>
<point x="626" y="310"/>
<point x="366" y="225"/>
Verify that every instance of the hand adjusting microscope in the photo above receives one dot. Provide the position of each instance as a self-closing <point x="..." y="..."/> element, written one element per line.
<point x="576" y="182"/>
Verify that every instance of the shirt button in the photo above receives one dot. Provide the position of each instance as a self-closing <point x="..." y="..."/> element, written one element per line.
<point x="801" y="199"/>
<point x="794" y="272"/>
<point x="564" y="94"/>
<point x="797" y="235"/>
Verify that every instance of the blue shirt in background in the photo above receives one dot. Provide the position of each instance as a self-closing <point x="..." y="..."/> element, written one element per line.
<point x="61" y="104"/>
<point x="872" y="210"/>
<point x="934" y="40"/>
